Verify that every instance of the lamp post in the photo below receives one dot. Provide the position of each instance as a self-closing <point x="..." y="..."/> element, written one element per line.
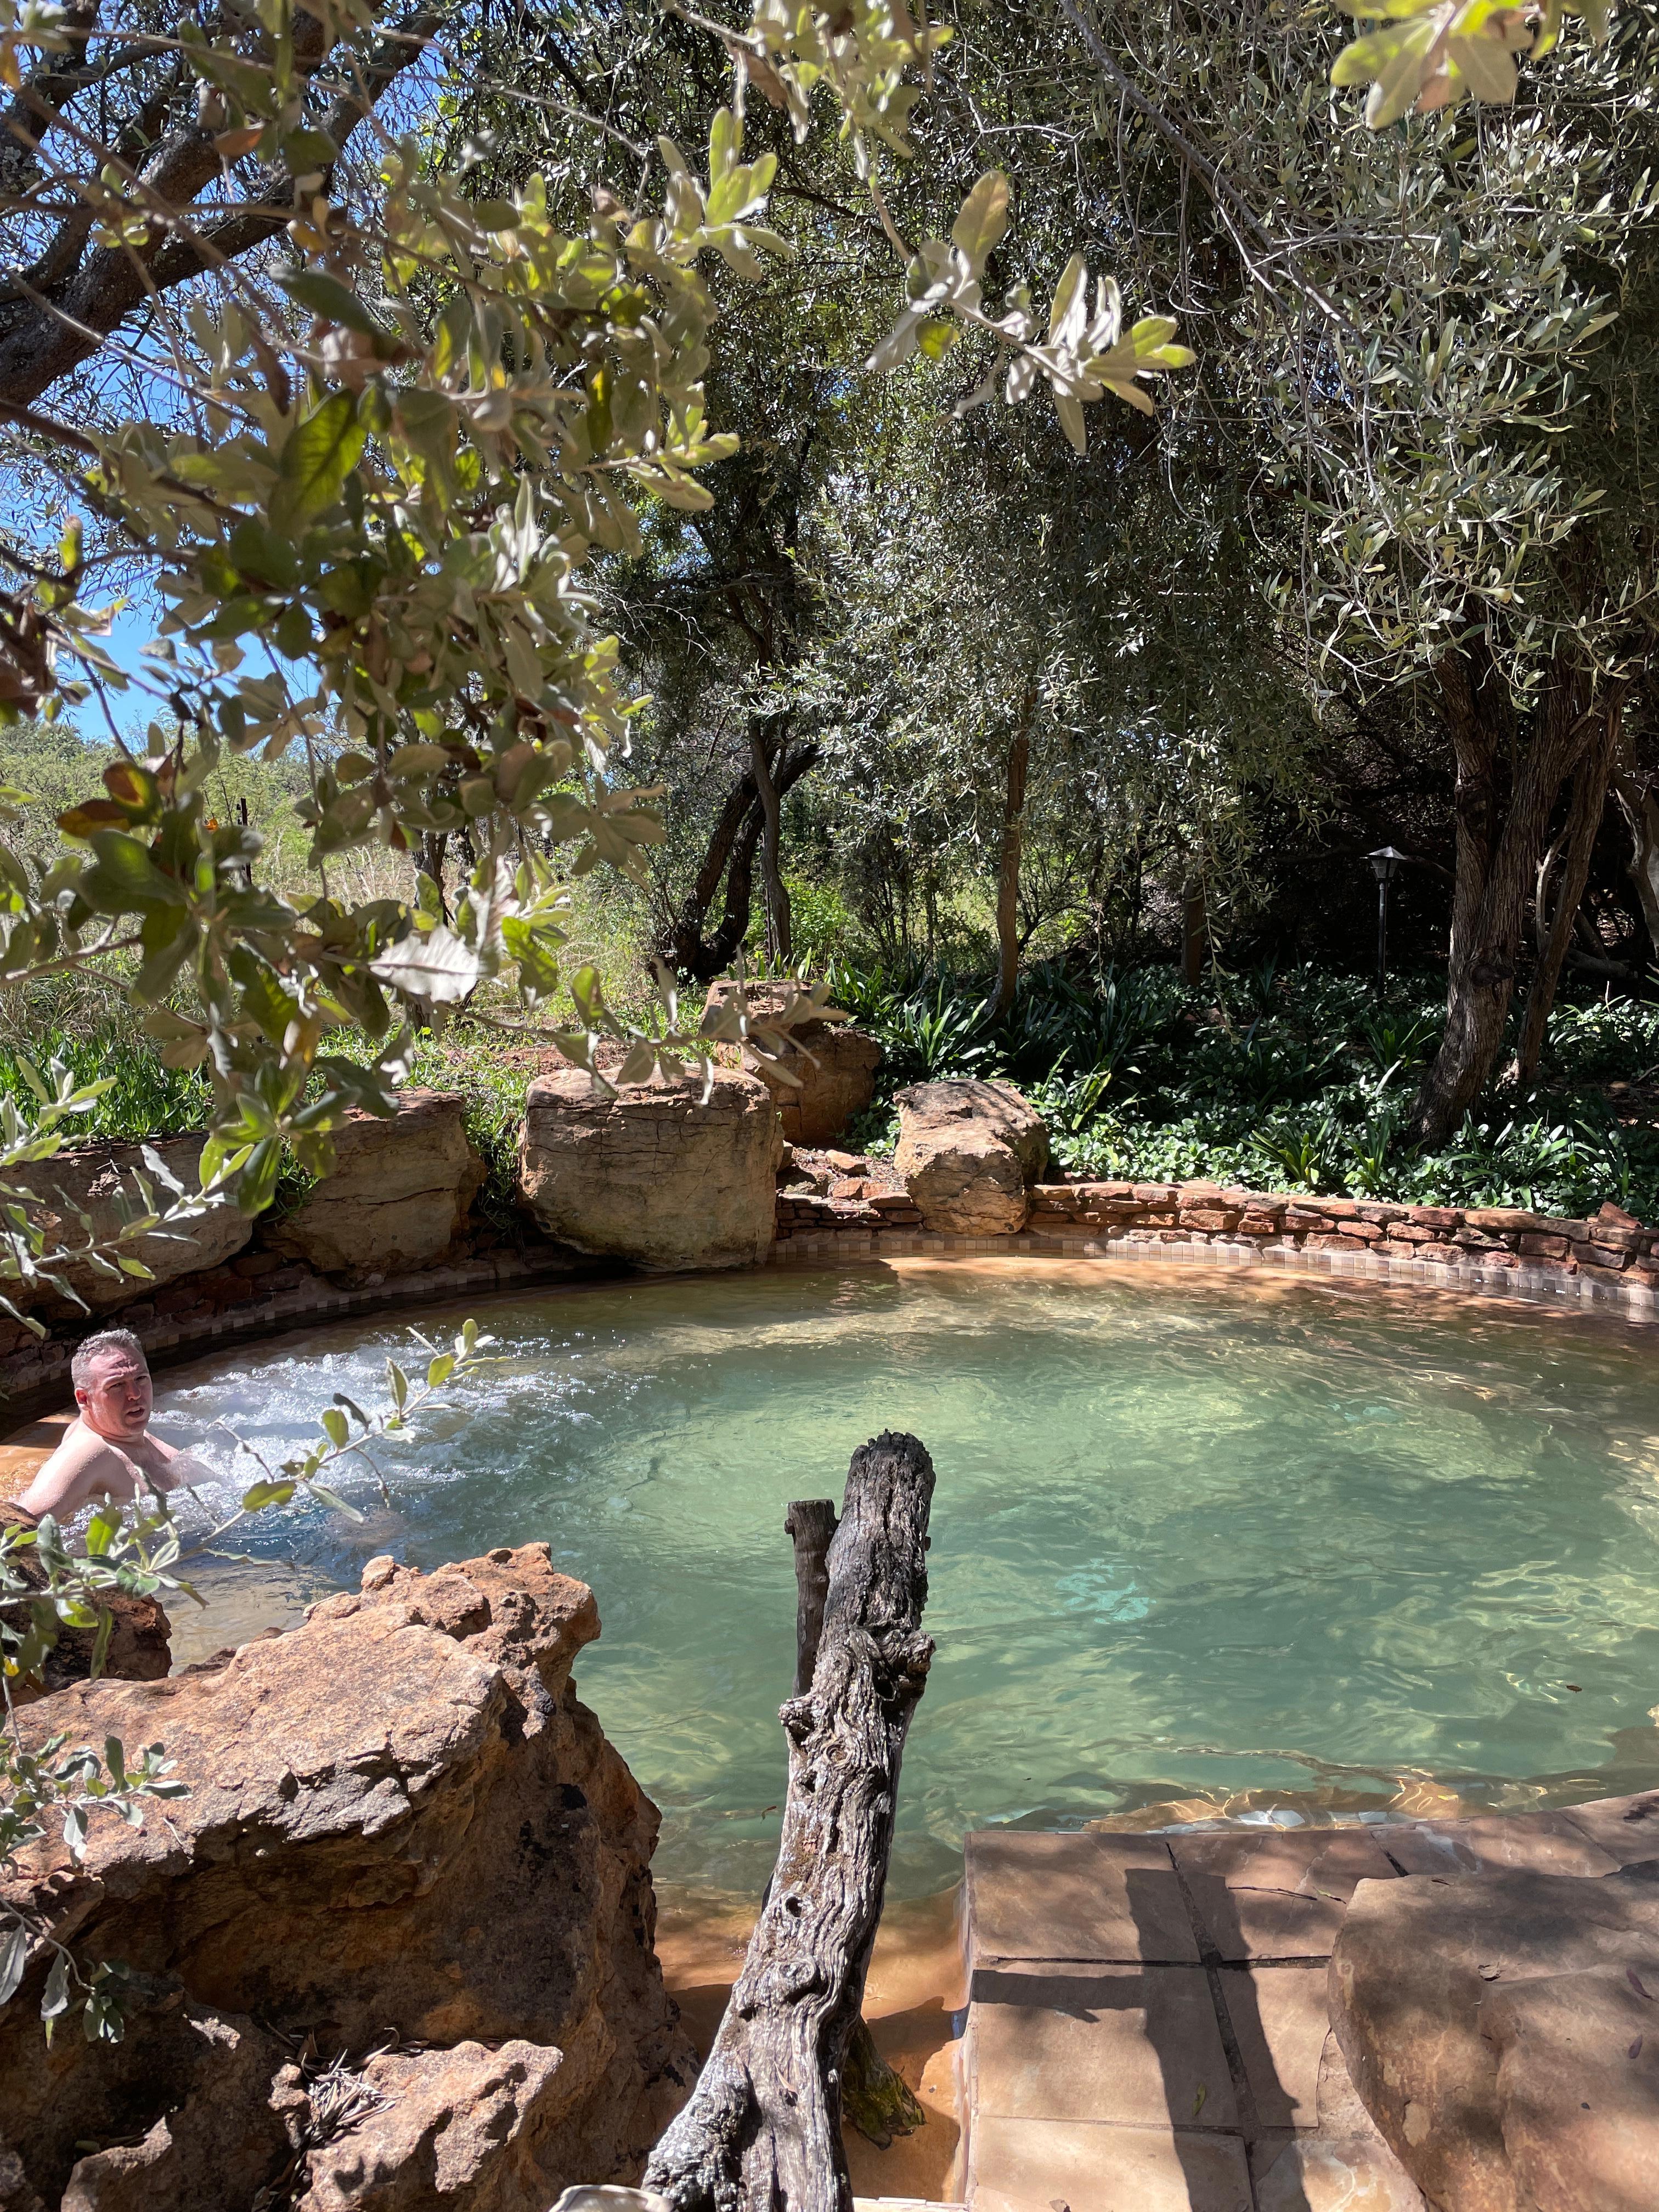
<point x="1384" y="861"/>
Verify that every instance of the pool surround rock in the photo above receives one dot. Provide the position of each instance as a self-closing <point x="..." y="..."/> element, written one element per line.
<point x="1503" y="2028"/>
<point x="656" y="1173"/>
<point x="833" y="1065"/>
<point x="398" y="1199"/>
<point x="967" y="1154"/>
<point x="401" y="1824"/>
<point x="139" y="1648"/>
<point x="87" y="1194"/>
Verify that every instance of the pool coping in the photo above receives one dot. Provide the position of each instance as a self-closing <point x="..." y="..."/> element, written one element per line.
<point x="1533" y="1286"/>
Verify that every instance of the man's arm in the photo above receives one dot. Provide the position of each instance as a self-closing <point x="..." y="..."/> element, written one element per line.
<point x="167" y="1467"/>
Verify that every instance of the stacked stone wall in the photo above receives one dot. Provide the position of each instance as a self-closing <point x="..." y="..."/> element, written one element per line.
<point x="1613" y="1257"/>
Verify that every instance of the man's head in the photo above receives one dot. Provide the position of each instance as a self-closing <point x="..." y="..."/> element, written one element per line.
<point x="112" y="1385"/>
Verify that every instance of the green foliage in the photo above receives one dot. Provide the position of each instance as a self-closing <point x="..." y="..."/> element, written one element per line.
<point x="1295" y="1080"/>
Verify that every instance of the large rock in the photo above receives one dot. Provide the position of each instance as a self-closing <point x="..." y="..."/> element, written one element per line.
<point x="405" y="1843"/>
<point x="969" y="1153"/>
<point x="398" y="1195"/>
<point x="833" y="1065"/>
<point x="1502" y="2030"/>
<point x="94" y="1182"/>
<point x="653" y="1173"/>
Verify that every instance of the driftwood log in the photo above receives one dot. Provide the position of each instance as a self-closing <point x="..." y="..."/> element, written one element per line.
<point x="761" y="2132"/>
<point x="809" y="1524"/>
<point x="875" y="2099"/>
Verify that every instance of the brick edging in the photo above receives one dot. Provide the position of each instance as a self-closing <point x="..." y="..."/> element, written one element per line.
<point x="1611" y="1262"/>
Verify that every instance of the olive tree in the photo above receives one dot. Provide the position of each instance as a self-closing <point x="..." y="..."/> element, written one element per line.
<point x="360" y="430"/>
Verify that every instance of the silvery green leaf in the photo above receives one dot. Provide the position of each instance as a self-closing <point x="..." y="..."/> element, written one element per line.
<point x="433" y="965"/>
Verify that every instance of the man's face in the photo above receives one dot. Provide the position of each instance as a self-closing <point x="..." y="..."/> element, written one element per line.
<point x="116" y="1399"/>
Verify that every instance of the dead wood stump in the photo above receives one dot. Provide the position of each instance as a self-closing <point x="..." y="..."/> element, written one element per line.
<point x="761" y="2132"/>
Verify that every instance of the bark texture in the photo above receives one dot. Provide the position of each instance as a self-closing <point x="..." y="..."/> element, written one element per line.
<point x="762" y="2129"/>
<point x="697" y="953"/>
<point x="1509" y="781"/>
<point x="1638" y="802"/>
<point x="1013" y="832"/>
<point x="57" y="312"/>
<point x="1590" y="783"/>
<point x="780" y="935"/>
<point x="809" y="1524"/>
<point x="875" y="2099"/>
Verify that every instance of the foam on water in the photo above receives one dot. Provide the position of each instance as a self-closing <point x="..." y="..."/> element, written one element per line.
<point x="1292" y="1549"/>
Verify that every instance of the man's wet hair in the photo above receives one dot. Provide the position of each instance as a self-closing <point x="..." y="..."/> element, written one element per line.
<point x="93" y="1348"/>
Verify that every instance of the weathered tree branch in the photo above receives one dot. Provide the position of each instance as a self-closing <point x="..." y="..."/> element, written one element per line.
<point x="74" y="300"/>
<point x="875" y="2099"/>
<point x="809" y="1524"/>
<point x="761" y="2132"/>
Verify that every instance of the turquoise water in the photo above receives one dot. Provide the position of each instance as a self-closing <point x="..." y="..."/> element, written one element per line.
<point x="1280" y="1549"/>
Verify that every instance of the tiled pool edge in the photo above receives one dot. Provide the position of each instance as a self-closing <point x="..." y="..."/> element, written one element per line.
<point x="1527" y="1286"/>
<point x="37" y="1381"/>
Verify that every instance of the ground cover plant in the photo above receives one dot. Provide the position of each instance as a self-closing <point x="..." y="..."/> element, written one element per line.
<point x="1283" y="1079"/>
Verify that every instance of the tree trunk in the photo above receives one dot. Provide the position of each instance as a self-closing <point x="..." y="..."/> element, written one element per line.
<point x="761" y="2132"/>
<point x="810" y="1523"/>
<point x="1639" y="805"/>
<point x="1589" y="798"/>
<point x="1194" y="934"/>
<point x="1507" y="790"/>
<point x="693" y="955"/>
<point x="778" y="930"/>
<point x="1013" y="826"/>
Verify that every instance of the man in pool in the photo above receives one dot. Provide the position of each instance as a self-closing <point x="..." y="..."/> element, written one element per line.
<point x="107" y="1450"/>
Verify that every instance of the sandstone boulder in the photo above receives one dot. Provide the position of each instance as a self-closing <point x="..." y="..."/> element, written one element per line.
<point x="398" y="1195"/>
<point x="833" y="1065"/>
<point x="408" y="1853"/>
<point x="96" y="1182"/>
<point x="653" y="1173"/>
<point x="969" y="1153"/>
<point x="1502" y="2030"/>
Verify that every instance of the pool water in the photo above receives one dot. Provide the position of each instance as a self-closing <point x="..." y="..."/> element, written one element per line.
<point x="1286" y="1548"/>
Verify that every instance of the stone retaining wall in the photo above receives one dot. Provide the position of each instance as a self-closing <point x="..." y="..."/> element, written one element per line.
<point x="1613" y="1259"/>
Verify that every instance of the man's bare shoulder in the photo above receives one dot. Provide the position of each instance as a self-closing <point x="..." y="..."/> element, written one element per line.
<point x="82" y="1467"/>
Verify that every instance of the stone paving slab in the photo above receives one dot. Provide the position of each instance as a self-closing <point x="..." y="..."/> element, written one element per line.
<point x="1147" y="2029"/>
<point x="1537" y="1843"/>
<point x="1627" y="1827"/>
<point x="1080" y="1896"/>
<point x="1031" y="2165"/>
<point x="1279" y="2024"/>
<point x="1072" y="2043"/>
<point x="1279" y="1893"/>
<point x="1330" y="2173"/>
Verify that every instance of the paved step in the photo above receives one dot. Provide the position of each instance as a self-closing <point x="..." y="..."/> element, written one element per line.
<point x="1147" y="2030"/>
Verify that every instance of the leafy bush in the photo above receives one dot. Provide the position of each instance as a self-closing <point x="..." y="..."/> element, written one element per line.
<point x="1298" y="1080"/>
